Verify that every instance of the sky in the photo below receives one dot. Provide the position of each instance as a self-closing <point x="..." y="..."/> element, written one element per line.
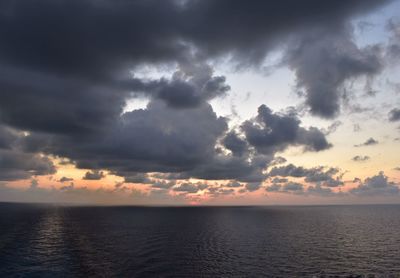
<point x="200" y="102"/>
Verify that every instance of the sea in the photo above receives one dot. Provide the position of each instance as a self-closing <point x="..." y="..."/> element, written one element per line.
<point x="38" y="240"/>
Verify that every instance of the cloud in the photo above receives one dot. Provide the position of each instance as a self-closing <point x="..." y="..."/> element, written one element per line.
<point x="65" y="179"/>
<point x="376" y="185"/>
<point x="163" y="184"/>
<point x="93" y="175"/>
<point x="17" y="164"/>
<point x="233" y="184"/>
<point x="235" y="144"/>
<point x="137" y="178"/>
<point x="360" y="158"/>
<point x="333" y="127"/>
<point x="370" y="142"/>
<point x="323" y="59"/>
<point x="288" y="187"/>
<point x="299" y="189"/>
<point x="394" y="115"/>
<point x="190" y="187"/>
<point x="252" y="186"/>
<point x="318" y="190"/>
<point x="64" y="89"/>
<point x="189" y="87"/>
<point x="292" y="187"/>
<point x="317" y="175"/>
<point x="271" y="132"/>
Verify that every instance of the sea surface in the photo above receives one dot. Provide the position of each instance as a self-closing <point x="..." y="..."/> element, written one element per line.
<point x="297" y="241"/>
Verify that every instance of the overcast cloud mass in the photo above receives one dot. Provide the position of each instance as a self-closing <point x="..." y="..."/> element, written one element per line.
<point x="70" y="68"/>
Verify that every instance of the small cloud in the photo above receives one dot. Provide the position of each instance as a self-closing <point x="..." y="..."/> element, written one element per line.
<point x="361" y="158"/>
<point x="233" y="184"/>
<point x="94" y="175"/>
<point x="138" y="178"/>
<point x="370" y="142"/>
<point x="65" y="179"/>
<point x="333" y="127"/>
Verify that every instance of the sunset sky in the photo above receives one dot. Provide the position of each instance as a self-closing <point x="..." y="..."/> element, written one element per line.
<point x="200" y="102"/>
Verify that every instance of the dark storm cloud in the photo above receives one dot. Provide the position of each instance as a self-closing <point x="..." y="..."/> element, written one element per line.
<point x="93" y="175"/>
<point x="189" y="87"/>
<point x="15" y="163"/>
<point x="376" y="185"/>
<point x="271" y="132"/>
<point x="65" y="58"/>
<point x="66" y="72"/>
<point x="370" y="142"/>
<point x="361" y="158"/>
<point x="394" y="115"/>
<point x="235" y="144"/>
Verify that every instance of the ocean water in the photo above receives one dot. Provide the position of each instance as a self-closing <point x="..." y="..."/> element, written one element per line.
<point x="62" y="241"/>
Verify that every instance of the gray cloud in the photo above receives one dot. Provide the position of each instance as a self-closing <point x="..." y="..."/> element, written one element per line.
<point x="323" y="59"/>
<point x="137" y="178"/>
<point x="235" y="144"/>
<point x="17" y="164"/>
<point x="190" y="187"/>
<point x="271" y="132"/>
<point x="370" y="142"/>
<point x="333" y="127"/>
<point x="376" y="185"/>
<point x="318" y="175"/>
<point x="163" y="184"/>
<point x="65" y="179"/>
<point x="252" y="186"/>
<point x="93" y="175"/>
<point x="394" y="115"/>
<point x="361" y="158"/>
<point x="67" y="84"/>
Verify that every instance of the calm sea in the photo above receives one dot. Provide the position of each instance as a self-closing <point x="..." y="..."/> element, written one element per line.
<point x="62" y="241"/>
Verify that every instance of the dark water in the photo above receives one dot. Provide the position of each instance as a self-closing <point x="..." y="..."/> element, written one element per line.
<point x="57" y="241"/>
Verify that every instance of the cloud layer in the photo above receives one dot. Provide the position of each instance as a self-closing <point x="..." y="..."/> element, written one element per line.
<point x="68" y="68"/>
